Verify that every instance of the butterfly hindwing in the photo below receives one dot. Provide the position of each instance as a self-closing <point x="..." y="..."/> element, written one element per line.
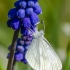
<point x="32" y="55"/>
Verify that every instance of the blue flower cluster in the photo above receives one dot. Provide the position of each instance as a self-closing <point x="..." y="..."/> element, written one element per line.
<point x="21" y="48"/>
<point x="25" y="17"/>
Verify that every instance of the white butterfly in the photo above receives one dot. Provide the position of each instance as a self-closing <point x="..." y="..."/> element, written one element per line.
<point x="41" y="56"/>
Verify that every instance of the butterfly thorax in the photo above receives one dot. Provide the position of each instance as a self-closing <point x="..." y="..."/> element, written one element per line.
<point x="38" y="34"/>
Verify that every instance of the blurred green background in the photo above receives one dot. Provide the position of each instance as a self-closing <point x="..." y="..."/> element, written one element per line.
<point x="56" y="15"/>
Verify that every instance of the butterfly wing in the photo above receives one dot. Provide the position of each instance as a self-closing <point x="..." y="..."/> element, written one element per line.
<point x="41" y="56"/>
<point x="33" y="55"/>
<point x="54" y="60"/>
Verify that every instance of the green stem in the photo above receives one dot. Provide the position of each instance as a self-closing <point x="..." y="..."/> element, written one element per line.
<point x="12" y="51"/>
<point x="14" y="62"/>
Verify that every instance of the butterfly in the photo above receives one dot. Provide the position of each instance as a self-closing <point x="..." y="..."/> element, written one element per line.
<point x="40" y="54"/>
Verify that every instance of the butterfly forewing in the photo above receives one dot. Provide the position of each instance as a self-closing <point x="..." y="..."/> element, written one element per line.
<point x="41" y="56"/>
<point x="53" y="57"/>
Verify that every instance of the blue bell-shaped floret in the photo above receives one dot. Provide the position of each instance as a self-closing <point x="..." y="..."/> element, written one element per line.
<point x="19" y="56"/>
<point x="15" y="24"/>
<point x="25" y="32"/>
<point x="21" y="13"/>
<point x="34" y="19"/>
<point x="16" y="4"/>
<point x="9" y="23"/>
<point x="26" y="22"/>
<point x="37" y="8"/>
<point x="12" y="13"/>
<point x="30" y="3"/>
<point x="19" y="48"/>
<point x="29" y="11"/>
<point x="23" y="4"/>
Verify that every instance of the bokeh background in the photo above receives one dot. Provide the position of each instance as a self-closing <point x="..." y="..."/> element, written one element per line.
<point x="56" y="15"/>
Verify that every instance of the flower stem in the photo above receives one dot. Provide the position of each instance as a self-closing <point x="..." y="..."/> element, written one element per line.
<point x="14" y="62"/>
<point x="12" y="51"/>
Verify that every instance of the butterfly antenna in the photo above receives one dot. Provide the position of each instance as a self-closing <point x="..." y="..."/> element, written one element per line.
<point x="43" y="24"/>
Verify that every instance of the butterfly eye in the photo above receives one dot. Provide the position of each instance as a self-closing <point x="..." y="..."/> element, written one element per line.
<point x="42" y="21"/>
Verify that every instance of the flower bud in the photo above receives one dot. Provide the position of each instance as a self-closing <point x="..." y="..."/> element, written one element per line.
<point x="25" y="32"/>
<point x="19" y="56"/>
<point x="12" y="13"/>
<point x="16" y="4"/>
<point x="34" y="19"/>
<point x="24" y="37"/>
<point x="23" y="4"/>
<point x="26" y="22"/>
<point x="26" y="47"/>
<point x="29" y="38"/>
<point x="15" y="24"/>
<point x="20" y="48"/>
<point x="21" y="42"/>
<point x="21" y="13"/>
<point x="27" y="43"/>
<point x="37" y="9"/>
<point x="30" y="3"/>
<point x="29" y="11"/>
<point x="9" y="23"/>
<point x="8" y="55"/>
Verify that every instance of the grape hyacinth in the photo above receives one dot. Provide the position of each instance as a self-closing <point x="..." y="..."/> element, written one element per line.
<point x="24" y="17"/>
<point x="21" y="48"/>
